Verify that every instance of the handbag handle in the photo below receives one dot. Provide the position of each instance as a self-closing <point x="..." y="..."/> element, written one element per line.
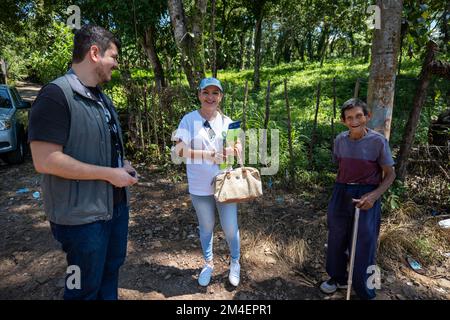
<point x="240" y="160"/>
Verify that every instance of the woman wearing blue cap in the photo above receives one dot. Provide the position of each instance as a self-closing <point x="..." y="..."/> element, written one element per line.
<point x="200" y="137"/>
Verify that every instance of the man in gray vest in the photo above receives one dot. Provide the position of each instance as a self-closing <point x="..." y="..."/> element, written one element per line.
<point x="76" y="143"/>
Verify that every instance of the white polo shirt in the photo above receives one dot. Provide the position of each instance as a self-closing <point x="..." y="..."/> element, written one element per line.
<point x="194" y="134"/>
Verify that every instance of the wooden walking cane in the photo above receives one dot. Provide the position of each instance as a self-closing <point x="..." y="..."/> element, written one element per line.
<point x="352" y="255"/>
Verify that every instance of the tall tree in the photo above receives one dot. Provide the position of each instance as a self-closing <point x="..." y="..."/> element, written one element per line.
<point x="430" y="66"/>
<point x="149" y="44"/>
<point x="385" y="49"/>
<point x="190" y="43"/>
<point x="213" y="39"/>
<point x="231" y="23"/>
<point x="258" y="10"/>
<point x="137" y="27"/>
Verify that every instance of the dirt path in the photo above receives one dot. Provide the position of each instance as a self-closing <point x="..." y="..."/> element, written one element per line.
<point x="28" y="90"/>
<point x="163" y="251"/>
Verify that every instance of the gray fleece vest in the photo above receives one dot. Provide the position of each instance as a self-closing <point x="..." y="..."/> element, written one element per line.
<point x="75" y="202"/>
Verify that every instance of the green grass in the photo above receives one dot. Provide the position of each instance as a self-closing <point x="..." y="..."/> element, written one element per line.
<point x="302" y="81"/>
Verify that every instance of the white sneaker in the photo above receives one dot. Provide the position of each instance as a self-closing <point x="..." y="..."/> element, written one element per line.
<point x="331" y="286"/>
<point x="235" y="271"/>
<point x="205" y="275"/>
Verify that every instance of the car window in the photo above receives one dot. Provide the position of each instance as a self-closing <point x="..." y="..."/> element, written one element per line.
<point x="5" y="101"/>
<point x="15" y="95"/>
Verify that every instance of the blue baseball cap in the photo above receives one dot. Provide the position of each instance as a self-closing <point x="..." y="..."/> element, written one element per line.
<point x="206" y="82"/>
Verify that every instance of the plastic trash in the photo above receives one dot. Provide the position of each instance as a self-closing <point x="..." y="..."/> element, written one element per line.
<point x="444" y="223"/>
<point x="414" y="264"/>
<point x="270" y="183"/>
<point x="435" y="213"/>
<point x="36" y="195"/>
<point x="279" y="200"/>
<point x="23" y="190"/>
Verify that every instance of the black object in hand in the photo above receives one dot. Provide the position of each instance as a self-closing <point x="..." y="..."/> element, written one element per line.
<point x="132" y="173"/>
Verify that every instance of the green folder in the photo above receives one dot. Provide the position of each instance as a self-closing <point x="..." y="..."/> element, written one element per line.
<point x="229" y="139"/>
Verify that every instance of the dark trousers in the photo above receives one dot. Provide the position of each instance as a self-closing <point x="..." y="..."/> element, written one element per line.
<point x="340" y="228"/>
<point x="98" y="249"/>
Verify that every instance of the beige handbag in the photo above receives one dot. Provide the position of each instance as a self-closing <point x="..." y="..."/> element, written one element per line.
<point x="237" y="185"/>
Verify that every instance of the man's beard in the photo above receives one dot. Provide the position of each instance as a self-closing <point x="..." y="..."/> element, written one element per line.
<point x="102" y="75"/>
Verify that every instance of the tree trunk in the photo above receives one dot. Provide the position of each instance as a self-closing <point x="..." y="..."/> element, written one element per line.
<point x="287" y="52"/>
<point x="419" y="99"/>
<point x="213" y="40"/>
<point x="244" y="107"/>
<point x="357" y="87"/>
<point x="352" y="43"/>
<point x="268" y="54"/>
<point x="3" y="71"/>
<point x="248" y="58"/>
<point x="190" y="44"/>
<point x="300" y="48"/>
<point x="267" y="114"/>
<point x="263" y="143"/>
<point x="198" y="47"/>
<point x="366" y="50"/>
<point x="403" y="30"/>
<point x="182" y="38"/>
<point x="258" y="36"/>
<point x="324" y="51"/>
<point x="221" y="61"/>
<point x="446" y="36"/>
<point x="310" y="46"/>
<point x="322" y="41"/>
<point x="385" y="47"/>
<point x="242" y="45"/>
<point x="333" y="41"/>
<point x="150" y="50"/>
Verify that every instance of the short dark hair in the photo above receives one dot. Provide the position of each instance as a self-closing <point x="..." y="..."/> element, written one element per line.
<point x="354" y="103"/>
<point x="89" y="35"/>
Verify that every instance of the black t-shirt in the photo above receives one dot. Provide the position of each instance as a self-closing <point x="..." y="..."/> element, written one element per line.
<point x="50" y="122"/>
